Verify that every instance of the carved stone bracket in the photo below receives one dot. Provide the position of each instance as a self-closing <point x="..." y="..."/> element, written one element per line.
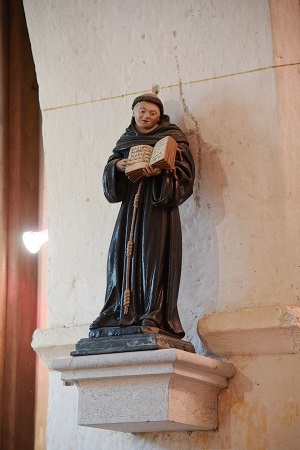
<point x="158" y="390"/>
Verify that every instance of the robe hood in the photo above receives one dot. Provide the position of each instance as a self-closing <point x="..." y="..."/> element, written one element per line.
<point x="132" y="137"/>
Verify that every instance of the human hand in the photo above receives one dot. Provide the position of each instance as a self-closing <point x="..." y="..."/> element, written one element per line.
<point x="121" y="164"/>
<point x="150" y="171"/>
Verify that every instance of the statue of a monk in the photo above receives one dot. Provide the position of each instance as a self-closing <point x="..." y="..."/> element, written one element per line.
<point x="155" y="263"/>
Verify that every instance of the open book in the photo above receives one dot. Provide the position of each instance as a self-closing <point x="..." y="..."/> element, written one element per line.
<point x="162" y="155"/>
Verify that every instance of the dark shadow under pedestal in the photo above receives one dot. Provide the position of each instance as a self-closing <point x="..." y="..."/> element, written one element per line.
<point x="128" y="339"/>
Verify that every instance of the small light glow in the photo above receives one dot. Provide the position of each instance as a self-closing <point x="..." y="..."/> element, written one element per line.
<point x="34" y="240"/>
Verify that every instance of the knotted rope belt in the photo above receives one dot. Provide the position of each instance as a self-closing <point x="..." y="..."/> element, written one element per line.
<point x="129" y="250"/>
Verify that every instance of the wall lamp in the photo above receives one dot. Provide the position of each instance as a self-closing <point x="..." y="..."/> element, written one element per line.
<point x="33" y="240"/>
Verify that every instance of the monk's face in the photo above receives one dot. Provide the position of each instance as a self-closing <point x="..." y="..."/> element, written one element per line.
<point x="146" y="116"/>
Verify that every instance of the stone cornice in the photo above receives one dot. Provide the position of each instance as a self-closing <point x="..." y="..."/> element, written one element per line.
<point x="256" y="331"/>
<point x="51" y="343"/>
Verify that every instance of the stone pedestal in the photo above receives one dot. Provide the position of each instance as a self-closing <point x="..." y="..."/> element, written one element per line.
<point x="159" y="390"/>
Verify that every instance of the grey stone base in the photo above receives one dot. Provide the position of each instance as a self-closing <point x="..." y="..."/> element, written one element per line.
<point x="128" y="339"/>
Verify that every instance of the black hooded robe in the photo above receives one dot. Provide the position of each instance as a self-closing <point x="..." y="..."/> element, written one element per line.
<point x="156" y="261"/>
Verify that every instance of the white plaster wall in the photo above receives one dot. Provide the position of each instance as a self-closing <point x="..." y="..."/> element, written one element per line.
<point x="87" y="51"/>
<point x="213" y="62"/>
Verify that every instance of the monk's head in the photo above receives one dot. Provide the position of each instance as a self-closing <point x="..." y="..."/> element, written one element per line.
<point x="147" y="111"/>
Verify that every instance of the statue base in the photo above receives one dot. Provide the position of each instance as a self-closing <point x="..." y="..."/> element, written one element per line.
<point x="137" y="392"/>
<point x="128" y="339"/>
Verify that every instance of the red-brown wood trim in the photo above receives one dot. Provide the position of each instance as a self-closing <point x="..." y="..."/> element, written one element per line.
<point x="20" y="170"/>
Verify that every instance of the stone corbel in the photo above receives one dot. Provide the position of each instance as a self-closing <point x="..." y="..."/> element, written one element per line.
<point x="159" y="390"/>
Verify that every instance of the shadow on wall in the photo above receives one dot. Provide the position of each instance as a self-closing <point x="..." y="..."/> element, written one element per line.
<point x="199" y="291"/>
<point x="231" y="403"/>
<point x="251" y="156"/>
